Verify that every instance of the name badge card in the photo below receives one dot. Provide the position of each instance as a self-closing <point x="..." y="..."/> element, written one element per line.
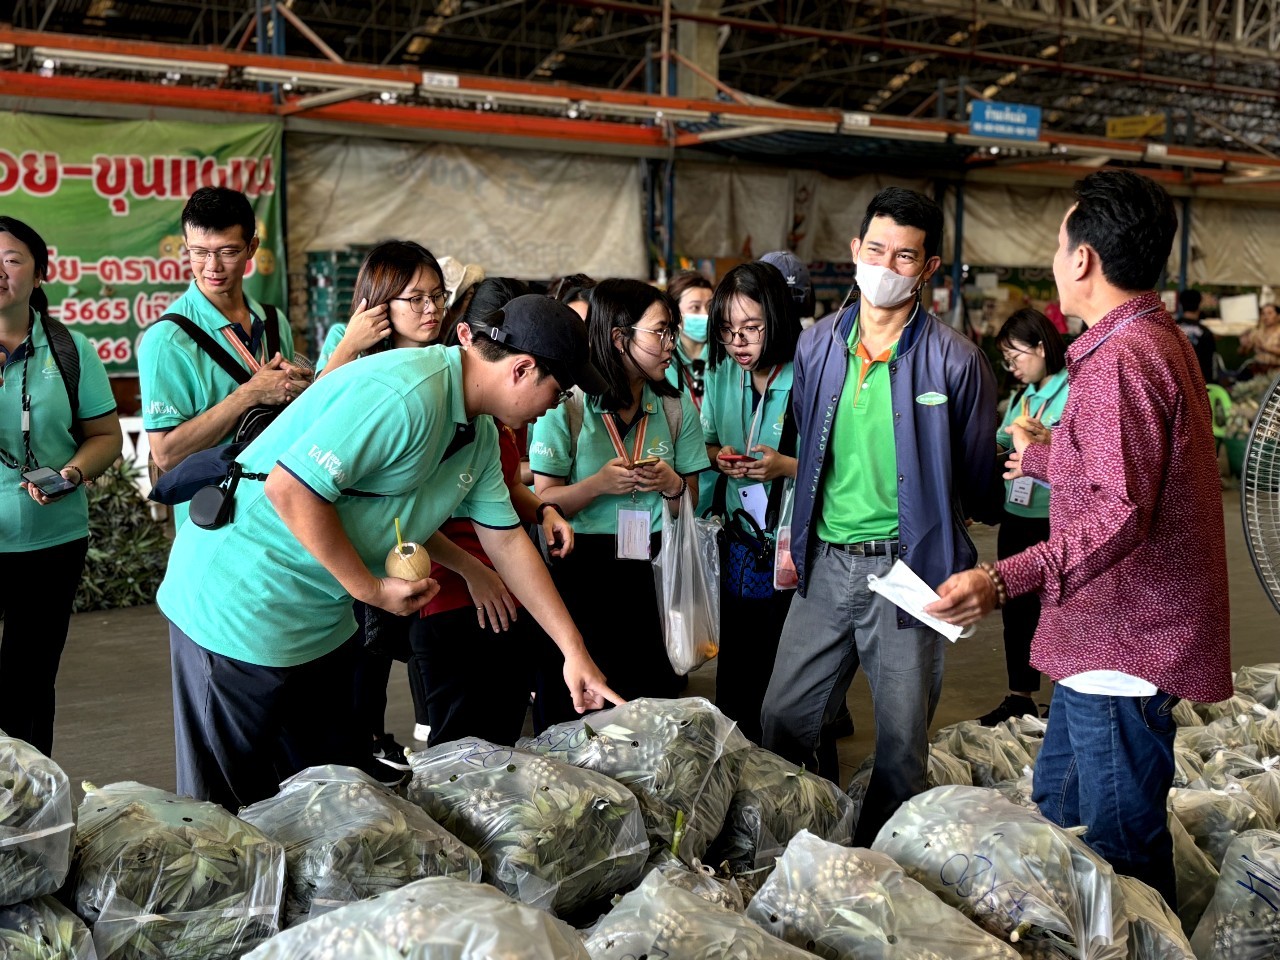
<point x="633" y="533"/>
<point x="1020" y="491"/>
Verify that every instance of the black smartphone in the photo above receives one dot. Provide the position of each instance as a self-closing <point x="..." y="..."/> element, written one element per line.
<point x="51" y="483"/>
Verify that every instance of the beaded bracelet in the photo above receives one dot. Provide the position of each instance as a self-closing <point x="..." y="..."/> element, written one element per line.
<point x="684" y="485"/>
<point x="997" y="581"/>
<point x="79" y="473"/>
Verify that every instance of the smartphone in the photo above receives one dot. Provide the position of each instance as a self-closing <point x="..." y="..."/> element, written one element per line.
<point x="646" y="462"/>
<point x="51" y="483"/>
<point x="736" y="458"/>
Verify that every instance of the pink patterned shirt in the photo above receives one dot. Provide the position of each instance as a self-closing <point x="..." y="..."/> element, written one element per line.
<point x="1133" y="576"/>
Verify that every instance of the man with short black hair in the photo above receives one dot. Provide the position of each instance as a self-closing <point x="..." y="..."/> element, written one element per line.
<point x="1201" y="337"/>
<point x="259" y="608"/>
<point x="896" y="414"/>
<point x="189" y="402"/>
<point x="1136" y="504"/>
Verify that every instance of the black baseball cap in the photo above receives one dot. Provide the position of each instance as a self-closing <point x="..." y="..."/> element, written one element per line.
<point x="549" y="331"/>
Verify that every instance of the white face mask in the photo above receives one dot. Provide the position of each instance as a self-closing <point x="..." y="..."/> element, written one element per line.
<point x="881" y="287"/>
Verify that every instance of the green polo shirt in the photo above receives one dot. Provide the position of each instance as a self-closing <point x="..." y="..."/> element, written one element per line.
<point x="549" y="454"/>
<point x="1045" y="402"/>
<point x="26" y="525"/>
<point x="179" y="381"/>
<point x="707" y="478"/>
<point x="392" y="427"/>
<point x="860" y="484"/>
<point x="331" y="341"/>
<point x="727" y="415"/>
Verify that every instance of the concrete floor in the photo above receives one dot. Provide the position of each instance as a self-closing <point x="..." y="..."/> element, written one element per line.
<point x="115" y="715"/>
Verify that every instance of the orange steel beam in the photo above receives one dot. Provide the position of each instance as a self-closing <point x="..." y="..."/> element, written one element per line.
<point x="127" y="91"/>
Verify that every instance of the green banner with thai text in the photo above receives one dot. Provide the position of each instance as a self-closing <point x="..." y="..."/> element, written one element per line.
<point x="107" y="197"/>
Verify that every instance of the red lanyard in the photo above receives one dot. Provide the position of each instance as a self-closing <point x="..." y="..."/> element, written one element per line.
<point x="237" y="344"/>
<point x="637" y="446"/>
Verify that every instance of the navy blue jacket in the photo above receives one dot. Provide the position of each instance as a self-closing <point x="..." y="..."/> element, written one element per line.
<point x="944" y="425"/>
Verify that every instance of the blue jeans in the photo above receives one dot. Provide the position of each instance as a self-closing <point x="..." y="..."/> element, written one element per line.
<point x="1125" y="747"/>
<point x="837" y="627"/>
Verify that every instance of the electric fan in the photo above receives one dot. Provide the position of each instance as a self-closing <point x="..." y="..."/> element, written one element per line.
<point x="1260" y="493"/>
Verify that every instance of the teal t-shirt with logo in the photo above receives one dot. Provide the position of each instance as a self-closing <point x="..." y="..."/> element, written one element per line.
<point x="728" y="415"/>
<point x="331" y="341"/>
<point x="551" y="454"/>
<point x="1046" y="403"/>
<point x="25" y="524"/>
<point x="385" y="438"/>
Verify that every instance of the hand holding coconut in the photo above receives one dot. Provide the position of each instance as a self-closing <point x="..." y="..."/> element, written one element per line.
<point x="408" y="586"/>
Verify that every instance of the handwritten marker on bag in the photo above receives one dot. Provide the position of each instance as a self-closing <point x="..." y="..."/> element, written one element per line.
<point x="408" y="560"/>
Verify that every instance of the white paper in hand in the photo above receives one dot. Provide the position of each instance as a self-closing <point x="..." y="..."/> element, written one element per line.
<point x="903" y="588"/>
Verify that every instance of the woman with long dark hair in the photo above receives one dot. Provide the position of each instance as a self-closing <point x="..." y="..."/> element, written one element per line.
<point x="53" y="439"/>
<point x="1036" y="357"/>
<point x="608" y="462"/>
<point x="745" y="415"/>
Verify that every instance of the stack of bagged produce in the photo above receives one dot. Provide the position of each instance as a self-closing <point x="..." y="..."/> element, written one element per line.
<point x="681" y="758"/>
<point x="157" y="875"/>
<point x="440" y="918"/>
<point x="549" y="834"/>
<point x="346" y="837"/>
<point x="1243" y="919"/>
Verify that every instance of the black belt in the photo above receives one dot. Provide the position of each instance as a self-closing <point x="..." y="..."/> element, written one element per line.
<point x="868" y="548"/>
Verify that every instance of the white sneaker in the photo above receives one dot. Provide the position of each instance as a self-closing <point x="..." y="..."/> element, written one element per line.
<point x="421" y="732"/>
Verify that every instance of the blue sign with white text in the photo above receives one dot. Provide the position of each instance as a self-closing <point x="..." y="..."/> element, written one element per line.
<point x="1010" y="121"/>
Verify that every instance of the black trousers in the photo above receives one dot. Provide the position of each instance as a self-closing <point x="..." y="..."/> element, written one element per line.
<point x="241" y="728"/>
<point x="37" y="590"/>
<point x="1021" y="614"/>
<point x="473" y="682"/>
<point x="749" y="632"/>
<point x="615" y="605"/>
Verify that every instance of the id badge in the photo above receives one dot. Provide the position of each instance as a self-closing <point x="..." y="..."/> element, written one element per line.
<point x="1020" y="491"/>
<point x="633" y="534"/>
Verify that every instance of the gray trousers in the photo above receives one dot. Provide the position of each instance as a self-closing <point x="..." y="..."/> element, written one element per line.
<point x="836" y="627"/>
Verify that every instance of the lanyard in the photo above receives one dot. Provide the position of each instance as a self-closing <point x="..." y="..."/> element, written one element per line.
<point x="8" y="459"/>
<point x="241" y="350"/>
<point x="1118" y="327"/>
<point x="637" y="448"/>
<point x="751" y="437"/>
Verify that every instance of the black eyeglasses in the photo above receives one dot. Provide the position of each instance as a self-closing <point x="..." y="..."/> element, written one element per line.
<point x="418" y="304"/>
<point x="751" y="334"/>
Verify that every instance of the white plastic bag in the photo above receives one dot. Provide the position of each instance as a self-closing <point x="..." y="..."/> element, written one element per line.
<point x="37" y="824"/>
<point x="1154" y="931"/>
<point x="439" y="918"/>
<point x="1243" y="920"/>
<point x="43" y="929"/>
<point x="687" y="574"/>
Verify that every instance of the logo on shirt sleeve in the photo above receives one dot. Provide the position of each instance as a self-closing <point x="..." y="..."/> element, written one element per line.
<point x="540" y="449"/>
<point x="161" y="408"/>
<point x="931" y="399"/>
<point x="328" y="462"/>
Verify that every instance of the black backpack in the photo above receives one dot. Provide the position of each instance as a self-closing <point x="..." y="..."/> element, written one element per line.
<point x="67" y="359"/>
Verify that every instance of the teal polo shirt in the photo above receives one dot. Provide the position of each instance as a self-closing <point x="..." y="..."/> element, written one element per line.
<point x="727" y="415"/>
<point x="860" y="483"/>
<point x="179" y="381"/>
<point x="550" y="455"/>
<point x="26" y="525"/>
<point x="393" y="428"/>
<point x="1046" y="402"/>
<point x="331" y="341"/>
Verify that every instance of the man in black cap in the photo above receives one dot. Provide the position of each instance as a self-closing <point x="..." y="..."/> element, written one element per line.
<point x="260" y="608"/>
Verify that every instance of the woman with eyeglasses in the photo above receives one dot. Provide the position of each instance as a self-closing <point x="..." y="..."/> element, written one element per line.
<point x="52" y="440"/>
<point x="608" y="462"/>
<point x="398" y="301"/>
<point x="746" y="424"/>
<point x="1035" y="354"/>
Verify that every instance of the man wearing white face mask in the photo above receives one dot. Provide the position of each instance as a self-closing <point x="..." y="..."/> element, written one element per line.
<point x="895" y="413"/>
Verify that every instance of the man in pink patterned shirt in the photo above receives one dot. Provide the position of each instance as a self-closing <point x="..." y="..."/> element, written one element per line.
<point x="1136" y="504"/>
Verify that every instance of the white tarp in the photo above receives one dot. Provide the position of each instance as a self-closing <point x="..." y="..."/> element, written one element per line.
<point x="516" y="213"/>
<point x="1233" y="242"/>
<point x="731" y="210"/>
<point x="1008" y="226"/>
<point x="827" y="211"/>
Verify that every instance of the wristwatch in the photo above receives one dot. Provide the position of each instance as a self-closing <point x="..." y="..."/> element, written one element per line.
<point x="543" y="507"/>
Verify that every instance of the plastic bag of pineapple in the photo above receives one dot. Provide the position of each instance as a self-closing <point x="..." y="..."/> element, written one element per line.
<point x="1243" y="920"/>
<point x="1242" y="768"/>
<point x="1214" y="818"/>
<point x="1019" y="876"/>
<point x="1155" y="932"/>
<point x="776" y="799"/>
<point x="1188" y="765"/>
<point x="942" y="769"/>
<point x="347" y="837"/>
<point x="548" y="834"/>
<point x="1234" y="706"/>
<point x="846" y="903"/>
<point x="994" y="754"/>
<point x="679" y="757"/>
<point x="440" y="918"/>
<point x="37" y="823"/>
<point x="1195" y="874"/>
<point x="1261" y="682"/>
<point x="43" y="929"/>
<point x="702" y="880"/>
<point x="157" y="875"/>
<point x="659" y="919"/>
<point x="1226" y="733"/>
